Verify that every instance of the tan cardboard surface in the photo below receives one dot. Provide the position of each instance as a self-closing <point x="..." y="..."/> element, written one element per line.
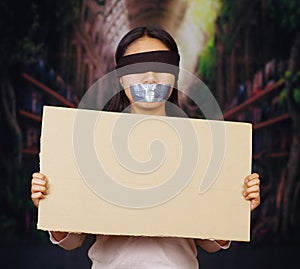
<point x="206" y="201"/>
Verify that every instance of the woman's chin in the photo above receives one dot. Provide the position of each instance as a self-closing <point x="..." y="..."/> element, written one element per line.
<point x="156" y="108"/>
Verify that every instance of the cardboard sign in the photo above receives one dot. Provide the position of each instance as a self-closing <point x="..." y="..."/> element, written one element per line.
<point x="127" y="174"/>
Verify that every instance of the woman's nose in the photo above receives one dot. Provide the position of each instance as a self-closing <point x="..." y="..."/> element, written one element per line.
<point x="150" y="78"/>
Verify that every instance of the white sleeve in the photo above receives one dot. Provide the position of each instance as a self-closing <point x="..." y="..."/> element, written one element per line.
<point x="222" y="247"/>
<point x="71" y="241"/>
<point x="210" y="245"/>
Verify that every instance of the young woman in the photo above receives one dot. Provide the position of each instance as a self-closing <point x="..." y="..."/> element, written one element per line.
<point x="141" y="45"/>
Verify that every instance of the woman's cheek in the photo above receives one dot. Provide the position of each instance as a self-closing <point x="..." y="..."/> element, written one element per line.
<point x="128" y="94"/>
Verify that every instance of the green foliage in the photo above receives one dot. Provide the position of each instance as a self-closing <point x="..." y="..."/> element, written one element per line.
<point x="287" y="74"/>
<point x="27" y="51"/>
<point x="208" y="60"/>
<point x="27" y="27"/>
<point x="204" y="13"/>
<point x="66" y="13"/>
<point x="295" y="82"/>
<point x="296" y="91"/>
<point x="228" y="10"/>
<point x="288" y="13"/>
<point x="227" y="18"/>
<point x="282" y="97"/>
<point x="17" y="213"/>
<point x="296" y="78"/>
<point x="19" y="26"/>
<point x="296" y="96"/>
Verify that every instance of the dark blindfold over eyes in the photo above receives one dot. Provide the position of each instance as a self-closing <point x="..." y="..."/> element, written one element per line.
<point x="161" y="61"/>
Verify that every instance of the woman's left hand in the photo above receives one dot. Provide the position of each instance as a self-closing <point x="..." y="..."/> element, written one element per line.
<point x="252" y="190"/>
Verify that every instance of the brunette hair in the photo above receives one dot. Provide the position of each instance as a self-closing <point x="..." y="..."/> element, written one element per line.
<point x="120" y="101"/>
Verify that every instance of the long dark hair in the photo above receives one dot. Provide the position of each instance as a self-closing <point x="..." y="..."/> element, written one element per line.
<point x="120" y="101"/>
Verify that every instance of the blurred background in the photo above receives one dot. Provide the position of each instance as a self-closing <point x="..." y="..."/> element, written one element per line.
<point x="247" y="52"/>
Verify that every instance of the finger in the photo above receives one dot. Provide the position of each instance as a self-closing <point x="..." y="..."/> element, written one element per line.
<point x="39" y="175"/>
<point x="38" y="188"/>
<point x="36" y="202"/>
<point x="39" y="178"/>
<point x="251" y="177"/>
<point x="36" y="197"/>
<point x="37" y="181"/>
<point x="254" y="204"/>
<point x="253" y="182"/>
<point x="254" y="188"/>
<point x="254" y="175"/>
<point x="252" y="195"/>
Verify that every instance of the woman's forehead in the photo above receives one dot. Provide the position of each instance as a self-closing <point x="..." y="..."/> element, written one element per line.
<point x="145" y="44"/>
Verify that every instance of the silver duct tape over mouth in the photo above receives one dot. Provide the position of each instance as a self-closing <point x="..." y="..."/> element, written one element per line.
<point x="150" y="92"/>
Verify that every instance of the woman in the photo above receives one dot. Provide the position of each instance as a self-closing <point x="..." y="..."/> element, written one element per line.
<point x="142" y="95"/>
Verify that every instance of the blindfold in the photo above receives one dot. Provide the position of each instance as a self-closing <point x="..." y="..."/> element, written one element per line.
<point x="162" y="61"/>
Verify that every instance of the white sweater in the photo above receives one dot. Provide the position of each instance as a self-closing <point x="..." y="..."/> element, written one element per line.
<point x="130" y="252"/>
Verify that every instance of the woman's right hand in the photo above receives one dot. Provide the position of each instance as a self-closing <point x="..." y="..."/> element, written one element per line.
<point x="39" y="188"/>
